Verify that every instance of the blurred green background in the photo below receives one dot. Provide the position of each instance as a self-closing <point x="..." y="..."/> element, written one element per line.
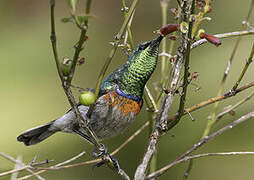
<point x="31" y="92"/>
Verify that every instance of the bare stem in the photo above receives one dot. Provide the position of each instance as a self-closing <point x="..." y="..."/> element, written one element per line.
<point x="27" y="168"/>
<point x="189" y="158"/>
<point x="79" y="46"/>
<point x="248" y="62"/>
<point x="220" y="115"/>
<point x="199" y="144"/>
<point x="128" y="28"/>
<point x="188" y="170"/>
<point x="186" y="69"/>
<point x="224" y="35"/>
<point x="161" y="120"/>
<point x="164" y="65"/>
<point x="211" y="121"/>
<point x="164" y="8"/>
<point x="53" y="38"/>
<point x="211" y="101"/>
<point x="150" y="100"/>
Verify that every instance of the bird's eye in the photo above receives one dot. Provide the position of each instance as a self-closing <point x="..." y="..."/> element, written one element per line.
<point x="143" y="46"/>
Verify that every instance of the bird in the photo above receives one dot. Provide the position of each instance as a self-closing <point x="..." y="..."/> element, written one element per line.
<point x="119" y="102"/>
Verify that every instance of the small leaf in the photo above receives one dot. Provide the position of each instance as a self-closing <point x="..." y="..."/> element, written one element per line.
<point x="199" y="32"/>
<point x="184" y="27"/>
<point x="72" y="4"/>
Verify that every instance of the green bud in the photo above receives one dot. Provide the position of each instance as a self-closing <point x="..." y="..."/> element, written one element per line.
<point x="66" y="66"/>
<point x="66" y="19"/>
<point x="184" y="27"/>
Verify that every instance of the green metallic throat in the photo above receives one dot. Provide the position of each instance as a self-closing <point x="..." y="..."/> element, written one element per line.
<point x="133" y="75"/>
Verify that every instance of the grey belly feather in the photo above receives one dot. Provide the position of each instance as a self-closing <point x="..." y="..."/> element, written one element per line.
<point x="106" y="121"/>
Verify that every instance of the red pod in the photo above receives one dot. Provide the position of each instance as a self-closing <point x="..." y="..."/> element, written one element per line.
<point x="210" y="38"/>
<point x="167" y="29"/>
<point x="86" y="38"/>
<point x="81" y="60"/>
<point x="195" y="75"/>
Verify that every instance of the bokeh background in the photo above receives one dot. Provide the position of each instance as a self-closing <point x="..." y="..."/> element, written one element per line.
<point x="31" y="92"/>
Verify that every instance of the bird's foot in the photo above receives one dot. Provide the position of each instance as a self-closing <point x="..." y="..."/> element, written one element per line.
<point x="106" y="159"/>
<point x="100" y="152"/>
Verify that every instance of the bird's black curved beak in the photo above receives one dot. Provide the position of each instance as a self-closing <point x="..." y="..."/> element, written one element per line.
<point x="156" y="42"/>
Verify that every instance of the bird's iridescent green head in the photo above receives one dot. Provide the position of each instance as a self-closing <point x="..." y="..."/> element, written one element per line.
<point x="133" y="75"/>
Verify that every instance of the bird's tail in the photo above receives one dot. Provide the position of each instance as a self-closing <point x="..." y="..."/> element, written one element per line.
<point x="36" y="134"/>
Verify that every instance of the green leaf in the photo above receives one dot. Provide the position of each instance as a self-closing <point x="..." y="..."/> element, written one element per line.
<point x="72" y="4"/>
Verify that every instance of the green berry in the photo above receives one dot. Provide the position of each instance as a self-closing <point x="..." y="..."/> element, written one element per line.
<point x="87" y="98"/>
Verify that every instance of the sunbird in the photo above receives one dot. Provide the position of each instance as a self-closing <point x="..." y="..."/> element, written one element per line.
<point x="120" y="100"/>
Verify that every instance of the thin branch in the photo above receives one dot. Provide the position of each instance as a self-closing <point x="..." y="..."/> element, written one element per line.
<point x="188" y="170"/>
<point x="17" y="166"/>
<point x="248" y="62"/>
<point x="70" y="160"/>
<point x="53" y="39"/>
<point x="220" y="115"/>
<point x="186" y="70"/>
<point x="200" y="143"/>
<point x="212" y="120"/>
<point x="21" y="164"/>
<point x="79" y="45"/>
<point x="213" y="100"/>
<point x="189" y="158"/>
<point x="55" y="167"/>
<point x="150" y="100"/>
<point x="128" y="29"/>
<point x="130" y="138"/>
<point x="161" y="120"/>
<point x="13" y="171"/>
<point x="224" y="35"/>
<point x="123" y="174"/>
<point x="164" y="10"/>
